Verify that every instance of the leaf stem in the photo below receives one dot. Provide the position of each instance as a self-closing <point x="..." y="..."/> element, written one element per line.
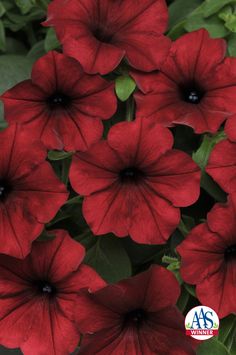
<point x="182" y="228"/>
<point x="130" y="109"/>
<point x="65" y="170"/>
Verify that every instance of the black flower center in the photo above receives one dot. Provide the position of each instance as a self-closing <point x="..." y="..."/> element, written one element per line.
<point x="103" y="34"/>
<point x="192" y="93"/>
<point x="131" y="175"/>
<point x="230" y="253"/>
<point x="5" y="189"/>
<point x="135" y="318"/>
<point x="58" y="100"/>
<point x="45" y="288"/>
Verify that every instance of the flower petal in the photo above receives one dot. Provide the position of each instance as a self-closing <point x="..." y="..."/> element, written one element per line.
<point x="222" y="165"/>
<point x="176" y="178"/>
<point x="140" y="142"/>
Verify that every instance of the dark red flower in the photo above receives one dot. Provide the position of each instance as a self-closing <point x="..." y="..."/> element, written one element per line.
<point x="222" y="165"/>
<point x="100" y="33"/>
<point x="136" y="316"/>
<point x="134" y="182"/>
<point x="30" y="192"/>
<point x="230" y="128"/>
<point x="208" y="258"/>
<point x="38" y="295"/>
<point x="195" y="87"/>
<point x="61" y="105"/>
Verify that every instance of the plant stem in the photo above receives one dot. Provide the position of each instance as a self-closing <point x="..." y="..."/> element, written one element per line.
<point x="65" y="170"/>
<point x="130" y="109"/>
<point x="182" y="228"/>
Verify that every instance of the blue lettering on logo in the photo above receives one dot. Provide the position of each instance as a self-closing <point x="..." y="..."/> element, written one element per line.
<point x="202" y="320"/>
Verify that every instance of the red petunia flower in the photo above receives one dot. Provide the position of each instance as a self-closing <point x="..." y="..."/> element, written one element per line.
<point x="61" y="105"/>
<point x="38" y="295"/>
<point x="196" y="85"/>
<point x="30" y="192"/>
<point x="136" y="316"/>
<point x="230" y="128"/>
<point x="208" y="258"/>
<point x="222" y="165"/>
<point x="134" y="182"/>
<point x="100" y="33"/>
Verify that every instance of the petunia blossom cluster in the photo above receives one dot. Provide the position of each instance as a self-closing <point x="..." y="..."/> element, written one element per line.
<point x="131" y="176"/>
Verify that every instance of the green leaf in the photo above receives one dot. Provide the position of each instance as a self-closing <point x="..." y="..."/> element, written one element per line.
<point x="183" y="299"/>
<point x="201" y="157"/>
<point x="2" y="37"/>
<point x="179" y="9"/>
<point x="65" y="170"/>
<point x="61" y="216"/>
<point x="14" y="46"/>
<point x="73" y="200"/>
<point x="37" y="51"/>
<point x="166" y="259"/>
<point x="140" y="253"/>
<point x="109" y="258"/>
<point x="58" y="155"/>
<point x="213" y="6"/>
<point x="189" y="222"/>
<point x="231" y="23"/>
<point x="233" y="347"/>
<point x="213" y="25"/>
<point x="7" y="351"/>
<point x="191" y="289"/>
<point x="226" y="13"/>
<point x="174" y="266"/>
<point x="229" y="17"/>
<point x="51" y="41"/>
<point x="227" y="332"/>
<point x="209" y="185"/>
<point x="8" y="5"/>
<point x="16" y="22"/>
<point x="43" y="3"/>
<point x="13" y="69"/>
<point x="232" y="45"/>
<point x="86" y="238"/>
<point x="183" y="228"/>
<point x="24" y="5"/>
<point x="2" y="9"/>
<point x="177" y="30"/>
<point x="212" y="346"/>
<point x="124" y="87"/>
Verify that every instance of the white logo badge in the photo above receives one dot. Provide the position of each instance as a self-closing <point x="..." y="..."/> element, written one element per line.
<point x="202" y="323"/>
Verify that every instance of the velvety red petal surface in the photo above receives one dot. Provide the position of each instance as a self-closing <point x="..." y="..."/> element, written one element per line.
<point x="30" y="319"/>
<point x="174" y="176"/>
<point x="230" y="128"/>
<point x="183" y="64"/>
<point x="202" y="254"/>
<point x="73" y="122"/>
<point x="96" y="57"/>
<point x="204" y="71"/>
<point x="147" y="209"/>
<point x="222" y="165"/>
<point x="98" y="37"/>
<point x="149" y="141"/>
<point x="153" y="217"/>
<point x="219" y="291"/>
<point x="35" y="193"/>
<point x="221" y="219"/>
<point x="205" y="259"/>
<point x="102" y="314"/>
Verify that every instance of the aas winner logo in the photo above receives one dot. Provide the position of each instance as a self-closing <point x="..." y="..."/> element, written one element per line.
<point x="202" y="323"/>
